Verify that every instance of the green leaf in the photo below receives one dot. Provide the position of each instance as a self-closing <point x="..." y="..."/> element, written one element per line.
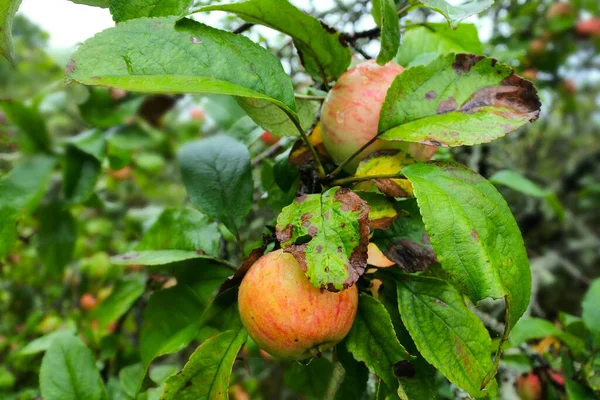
<point x="447" y="334"/>
<point x="309" y="380"/>
<point x="373" y="340"/>
<point x="474" y="235"/>
<point x="537" y="328"/>
<point x="94" y="3"/>
<point x="455" y="14"/>
<point x="41" y="344"/>
<point x="56" y="237"/>
<point x="390" y="31"/>
<point x="123" y="10"/>
<point x="387" y="162"/>
<point x="417" y="381"/>
<point x="406" y="242"/>
<point x="8" y="230"/>
<point x="130" y="376"/>
<point x="102" y="111"/>
<point x="171" y="321"/>
<point x="123" y="296"/>
<point x="83" y="163"/>
<point x="29" y="122"/>
<point x="590" y="311"/>
<point x="457" y="100"/>
<point x="323" y="54"/>
<point x="183" y="229"/>
<point x="157" y="257"/>
<point x="8" y="9"/>
<point x="155" y="55"/>
<point x="218" y="178"/>
<point x="69" y="372"/>
<point x="356" y="375"/>
<point x="206" y="375"/>
<point x="275" y="120"/>
<point x="328" y="235"/>
<point x="424" y="43"/>
<point x="222" y="312"/>
<point x="23" y="187"/>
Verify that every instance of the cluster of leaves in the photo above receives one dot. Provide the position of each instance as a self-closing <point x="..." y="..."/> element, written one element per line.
<point x="166" y="287"/>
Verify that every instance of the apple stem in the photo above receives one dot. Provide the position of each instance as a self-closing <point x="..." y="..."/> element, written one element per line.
<point x="308" y="97"/>
<point x="354" y="179"/>
<point x="316" y="159"/>
<point x="336" y="171"/>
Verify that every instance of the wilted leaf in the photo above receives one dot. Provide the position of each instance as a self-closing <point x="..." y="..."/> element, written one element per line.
<point x="206" y="374"/>
<point x="447" y="334"/>
<point x="406" y="242"/>
<point x="218" y="178"/>
<point x="387" y="162"/>
<point x="69" y="372"/>
<point x="474" y="234"/>
<point x="456" y="13"/>
<point x="123" y="10"/>
<point x="423" y="44"/>
<point x="383" y="213"/>
<point x="322" y="51"/>
<point x="328" y="235"/>
<point x="390" y="31"/>
<point x="8" y="9"/>
<point x="457" y="100"/>
<point x="373" y="340"/>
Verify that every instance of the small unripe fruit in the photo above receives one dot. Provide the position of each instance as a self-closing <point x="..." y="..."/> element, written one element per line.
<point x="268" y="138"/>
<point x="88" y="301"/>
<point x="286" y="315"/>
<point x="529" y="387"/>
<point x="589" y="27"/>
<point x="350" y="114"/>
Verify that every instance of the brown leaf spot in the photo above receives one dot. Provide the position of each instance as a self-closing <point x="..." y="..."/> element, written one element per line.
<point x="70" y="66"/>
<point x="285" y="234"/>
<point x="463" y="62"/>
<point x="445" y="106"/>
<point x="301" y="199"/>
<point x="312" y="231"/>
<point x="320" y="249"/>
<point x="339" y="249"/>
<point x="441" y="303"/>
<point x="383" y="223"/>
<point x="411" y="256"/>
<point x="201" y="252"/>
<point x="475" y="235"/>
<point x="431" y="95"/>
<point x="390" y="188"/>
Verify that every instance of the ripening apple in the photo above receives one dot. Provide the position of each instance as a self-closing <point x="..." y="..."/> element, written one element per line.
<point x="529" y="387"/>
<point x="268" y="138"/>
<point x="286" y="315"/>
<point x="561" y="9"/>
<point x="350" y="114"/>
<point x="88" y="302"/>
<point x="589" y="27"/>
<point x="197" y="114"/>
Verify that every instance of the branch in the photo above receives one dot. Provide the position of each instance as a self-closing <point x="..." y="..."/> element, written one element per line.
<point x="243" y="28"/>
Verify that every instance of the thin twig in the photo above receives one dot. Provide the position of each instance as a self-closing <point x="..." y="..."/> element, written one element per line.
<point x="353" y="179"/>
<point x="244" y="27"/>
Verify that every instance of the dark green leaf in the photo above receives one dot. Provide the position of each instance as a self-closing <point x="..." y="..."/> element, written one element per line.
<point x="218" y="178"/>
<point x="310" y="380"/>
<point x="56" y="237"/>
<point x="102" y="111"/>
<point x="171" y="321"/>
<point x="456" y="13"/>
<point x="157" y="257"/>
<point x="447" y="334"/>
<point x="166" y="55"/>
<point x="323" y="54"/>
<point x="373" y="340"/>
<point x="8" y="9"/>
<point x="328" y="235"/>
<point x="356" y="375"/>
<point x="28" y="120"/>
<point x="123" y="10"/>
<point x="390" y="31"/>
<point x="591" y="311"/>
<point x="130" y="376"/>
<point x="69" y="372"/>
<point x="82" y="165"/>
<point x="23" y="187"/>
<point x="222" y="312"/>
<point x="8" y="230"/>
<point x="122" y="297"/>
<point x="206" y="375"/>
<point x="424" y="43"/>
<point x="474" y="235"/>
<point x="183" y="229"/>
<point x="284" y="172"/>
<point x="457" y="100"/>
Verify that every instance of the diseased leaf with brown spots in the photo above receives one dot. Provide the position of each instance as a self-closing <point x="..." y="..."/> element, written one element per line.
<point x="382" y="214"/>
<point x="328" y="234"/>
<point x="207" y="372"/>
<point x="406" y="242"/>
<point x="456" y="100"/>
<point x="387" y="162"/>
<point x="447" y="334"/>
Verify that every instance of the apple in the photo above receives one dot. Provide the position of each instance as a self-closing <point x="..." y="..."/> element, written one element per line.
<point x="350" y="114"/>
<point x="268" y="138"/>
<point x="286" y="315"/>
<point x="560" y="9"/>
<point x="589" y="27"/>
<point x="88" y="301"/>
<point x="529" y="387"/>
<point x="197" y="114"/>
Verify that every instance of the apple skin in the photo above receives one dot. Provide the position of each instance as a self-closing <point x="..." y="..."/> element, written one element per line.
<point x="589" y="27"/>
<point x="560" y="9"/>
<point x="529" y="387"/>
<point x="350" y="114"/>
<point x="286" y="315"/>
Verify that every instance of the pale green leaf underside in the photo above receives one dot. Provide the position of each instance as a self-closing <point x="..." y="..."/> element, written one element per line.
<point x="207" y="372"/>
<point x="323" y="54"/>
<point x="448" y="335"/>
<point x="156" y="55"/>
<point x="157" y="257"/>
<point x="8" y="9"/>
<point x="474" y="235"/>
<point x="373" y="340"/>
<point x="455" y="14"/>
<point x="457" y="100"/>
<point x="275" y="120"/>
